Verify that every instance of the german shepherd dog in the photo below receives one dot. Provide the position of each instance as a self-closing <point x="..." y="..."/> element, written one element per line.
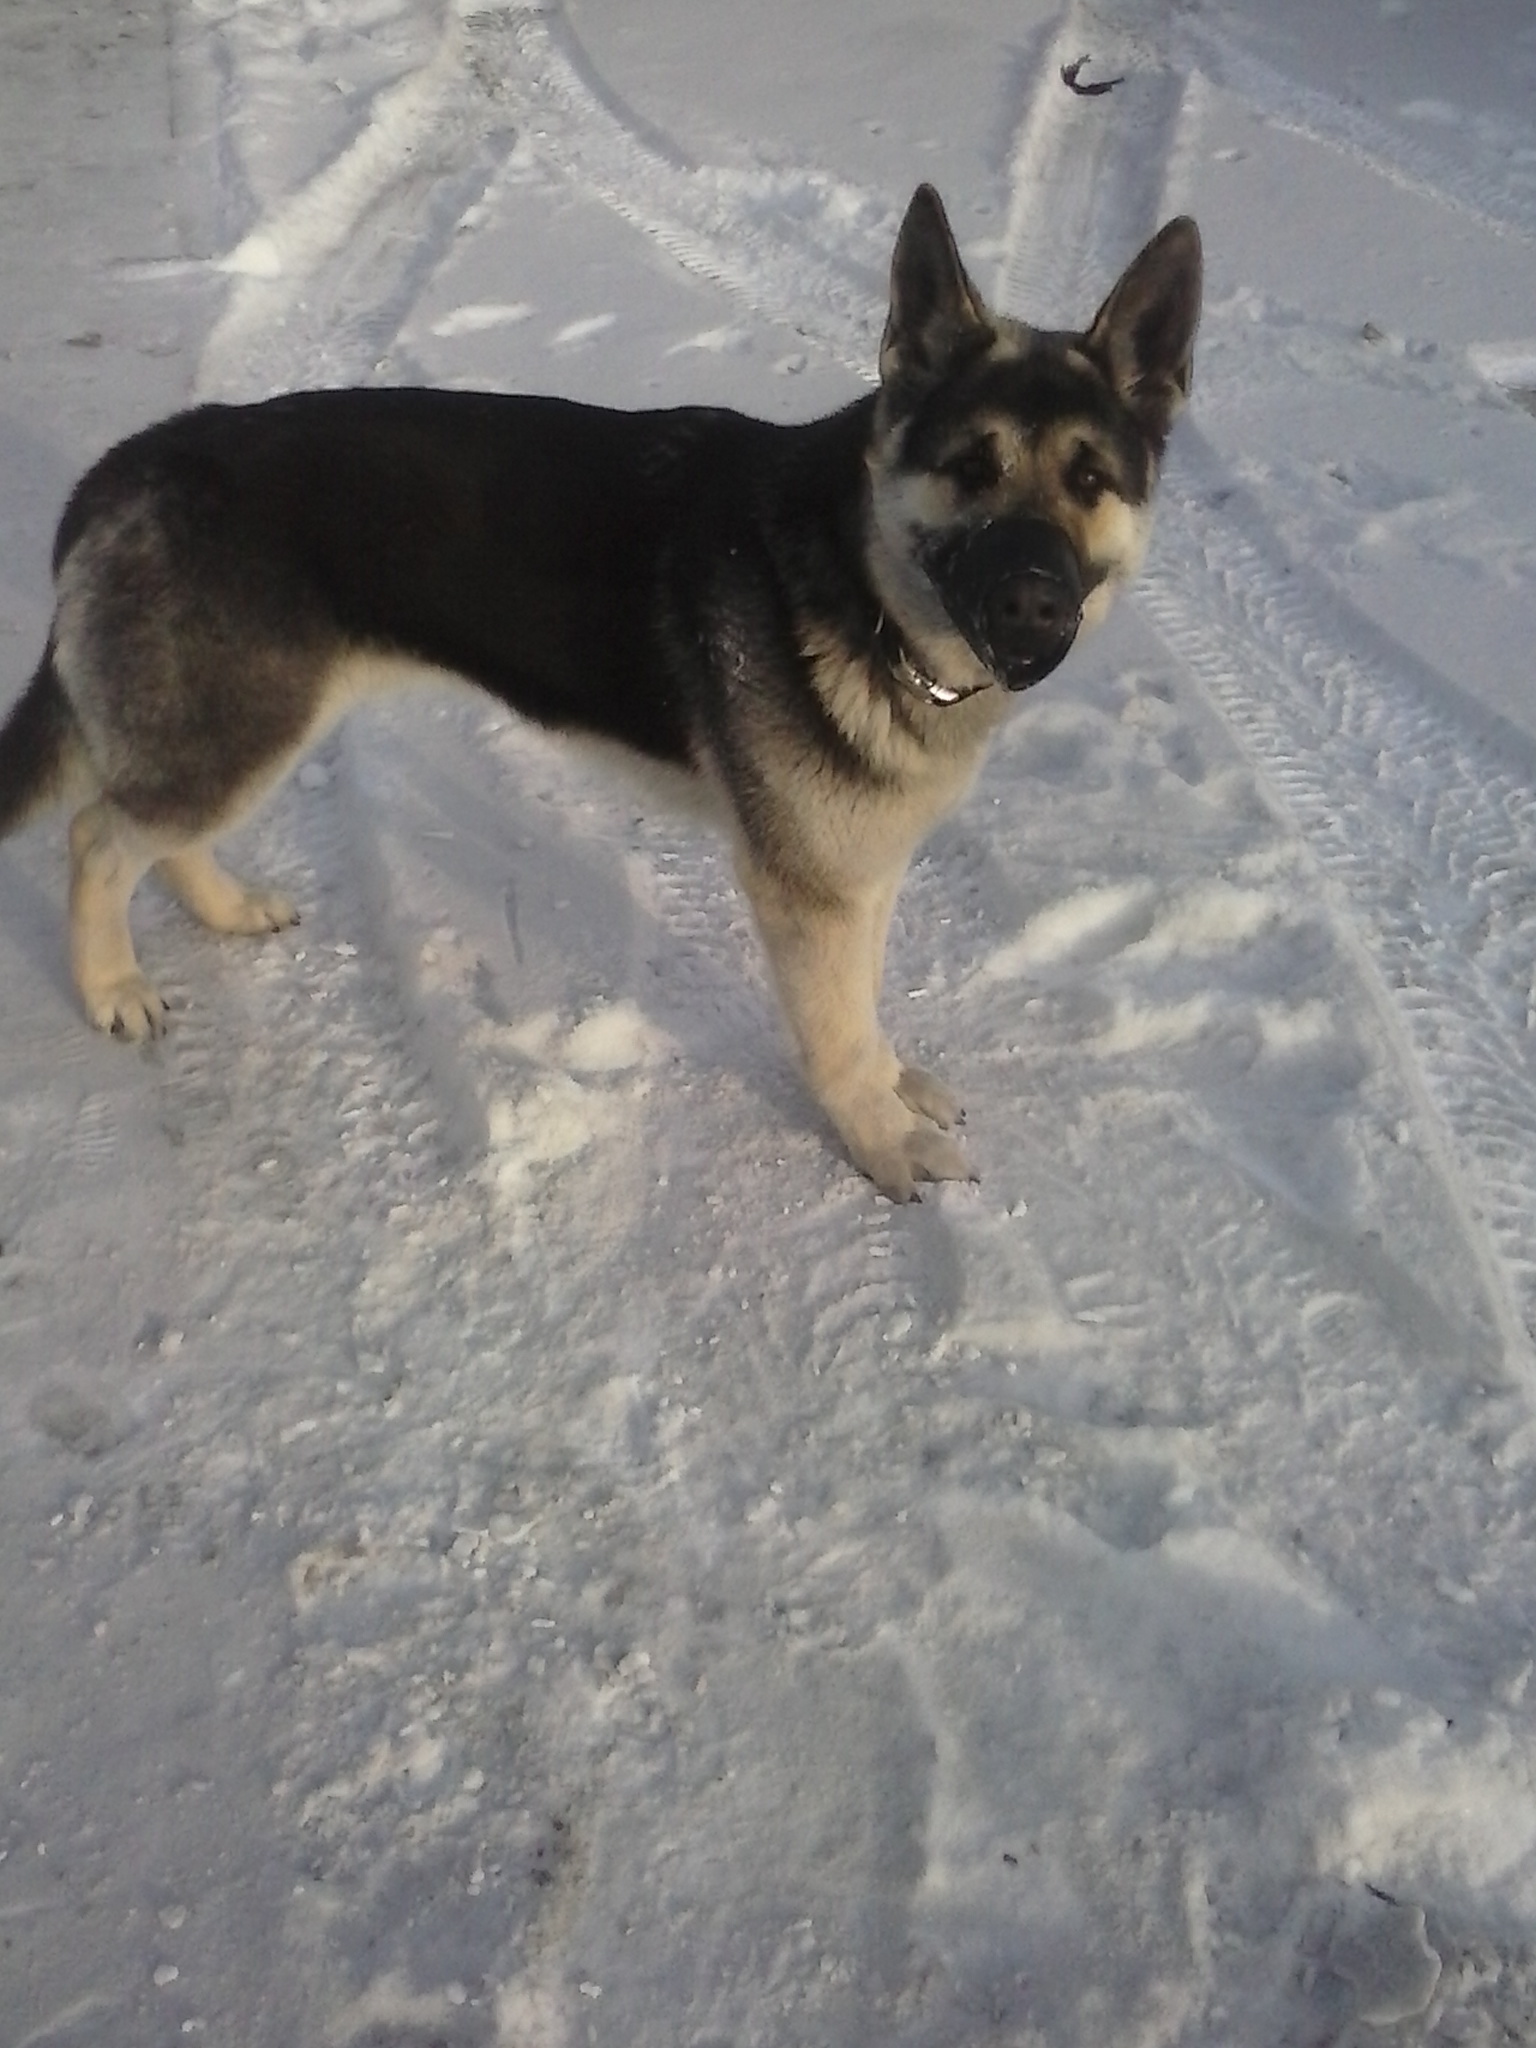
<point x="822" y="624"/>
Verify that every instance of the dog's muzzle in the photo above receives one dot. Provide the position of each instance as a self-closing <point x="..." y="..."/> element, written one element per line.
<point x="1014" y="589"/>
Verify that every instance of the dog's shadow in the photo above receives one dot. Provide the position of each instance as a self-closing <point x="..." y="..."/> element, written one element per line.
<point x="32" y="917"/>
<point x="570" y="892"/>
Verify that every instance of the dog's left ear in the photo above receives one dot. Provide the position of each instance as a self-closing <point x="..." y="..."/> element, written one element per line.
<point x="937" y="316"/>
<point x="1143" y="336"/>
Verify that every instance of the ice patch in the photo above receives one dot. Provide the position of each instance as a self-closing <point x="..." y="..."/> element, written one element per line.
<point x="1203" y="922"/>
<point x="535" y="1036"/>
<point x="388" y="2009"/>
<point x="1207" y="921"/>
<point x="1063" y="929"/>
<point x="1034" y="1331"/>
<point x="577" y="331"/>
<point x="716" y="341"/>
<point x="257" y="256"/>
<point x="1303" y="1029"/>
<point x="479" y="319"/>
<point x="610" y="1041"/>
<point x="559" y="1115"/>
<point x="614" y="1038"/>
<point x="552" y="1121"/>
<point x="1156" y="1027"/>
<point x="1437" y="1803"/>
<point x="531" y="2008"/>
<point x="1511" y="365"/>
<point x="1504" y="362"/>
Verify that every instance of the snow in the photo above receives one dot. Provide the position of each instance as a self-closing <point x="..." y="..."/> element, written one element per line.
<point x="504" y="1539"/>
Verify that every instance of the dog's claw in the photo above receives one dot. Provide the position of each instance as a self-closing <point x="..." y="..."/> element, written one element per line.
<point x="130" y="1009"/>
<point x="260" y="911"/>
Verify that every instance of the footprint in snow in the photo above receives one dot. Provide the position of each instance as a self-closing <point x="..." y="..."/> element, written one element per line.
<point x="1379" y="1948"/>
<point x="1150" y="708"/>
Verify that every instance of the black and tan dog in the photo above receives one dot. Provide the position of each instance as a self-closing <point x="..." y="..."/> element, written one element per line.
<point x="821" y="625"/>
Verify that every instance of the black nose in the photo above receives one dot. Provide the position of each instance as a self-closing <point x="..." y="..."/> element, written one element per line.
<point x="1030" y="614"/>
<point x="1014" y="589"/>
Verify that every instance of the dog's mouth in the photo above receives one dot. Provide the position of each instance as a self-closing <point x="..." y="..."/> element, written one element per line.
<point x="1013" y="588"/>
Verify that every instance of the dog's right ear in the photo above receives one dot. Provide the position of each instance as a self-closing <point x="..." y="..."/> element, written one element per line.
<point x="937" y="316"/>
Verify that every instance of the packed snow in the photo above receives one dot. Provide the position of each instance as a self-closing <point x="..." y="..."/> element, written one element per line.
<point x="505" y="1540"/>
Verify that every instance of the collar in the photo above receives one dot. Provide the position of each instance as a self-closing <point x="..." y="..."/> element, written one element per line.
<point x="916" y="681"/>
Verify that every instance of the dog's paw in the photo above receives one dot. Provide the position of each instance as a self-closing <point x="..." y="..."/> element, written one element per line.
<point x="259" y="911"/>
<point x="898" y="1148"/>
<point x="920" y="1090"/>
<point x="129" y="1008"/>
<point x="923" y="1154"/>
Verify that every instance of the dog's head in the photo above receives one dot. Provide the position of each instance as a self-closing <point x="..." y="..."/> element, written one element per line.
<point x="1012" y="468"/>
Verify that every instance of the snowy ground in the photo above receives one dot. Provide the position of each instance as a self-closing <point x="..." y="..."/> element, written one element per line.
<point x="503" y="1538"/>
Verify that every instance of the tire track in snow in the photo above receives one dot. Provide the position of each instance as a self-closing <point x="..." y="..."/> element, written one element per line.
<point x="803" y="249"/>
<point x="1382" y="783"/>
<point x="321" y="282"/>
<point x="1076" y="162"/>
<point x="1426" y="838"/>
<point x="1486" y="190"/>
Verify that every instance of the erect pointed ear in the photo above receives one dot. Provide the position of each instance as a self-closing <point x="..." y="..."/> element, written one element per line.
<point x="937" y="316"/>
<point x="1143" y="336"/>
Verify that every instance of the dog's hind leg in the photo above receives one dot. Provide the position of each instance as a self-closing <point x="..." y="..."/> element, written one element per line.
<point x="109" y="854"/>
<point x="217" y="899"/>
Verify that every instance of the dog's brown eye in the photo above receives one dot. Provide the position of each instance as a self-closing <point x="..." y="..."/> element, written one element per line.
<point x="1087" y="478"/>
<point x="974" y="468"/>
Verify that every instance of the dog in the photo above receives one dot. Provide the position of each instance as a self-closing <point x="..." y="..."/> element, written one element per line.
<point x="820" y="624"/>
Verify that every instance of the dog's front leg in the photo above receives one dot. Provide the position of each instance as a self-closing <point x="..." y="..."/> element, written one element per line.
<point x="825" y="953"/>
<point x="918" y="1089"/>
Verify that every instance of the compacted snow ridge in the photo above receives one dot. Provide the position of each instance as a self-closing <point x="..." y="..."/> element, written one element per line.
<point x="505" y="1541"/>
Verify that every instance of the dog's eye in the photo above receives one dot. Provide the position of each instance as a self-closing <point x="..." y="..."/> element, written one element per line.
<point x="1087" y="478"/>
<point x="974" y="468"/>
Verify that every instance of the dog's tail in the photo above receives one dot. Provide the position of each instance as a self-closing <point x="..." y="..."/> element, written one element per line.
<point x="39" y="748"/>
